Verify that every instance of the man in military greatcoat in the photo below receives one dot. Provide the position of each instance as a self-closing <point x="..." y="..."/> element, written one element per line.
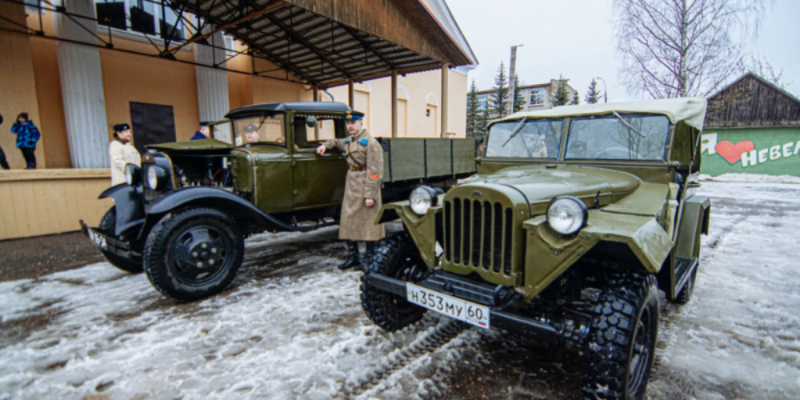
<point x="362" y="194"/>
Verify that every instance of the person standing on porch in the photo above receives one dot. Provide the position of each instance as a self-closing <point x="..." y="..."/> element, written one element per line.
<point x="362" y="194"/>
<point x="27" y="136"/>
<point x="121" y="153"/>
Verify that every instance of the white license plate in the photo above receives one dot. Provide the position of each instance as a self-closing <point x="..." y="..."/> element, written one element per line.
<point x="453" y="307"/>
<point x="98" y="240"/>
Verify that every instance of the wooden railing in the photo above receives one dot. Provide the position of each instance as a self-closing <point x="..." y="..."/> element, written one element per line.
<point x="48" y="201"/>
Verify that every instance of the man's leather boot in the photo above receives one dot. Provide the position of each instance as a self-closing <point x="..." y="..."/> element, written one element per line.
<point x="369" y="254"/>
<point x="352" y="256"/>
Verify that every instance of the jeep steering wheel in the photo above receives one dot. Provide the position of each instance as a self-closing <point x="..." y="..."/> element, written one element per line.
<point x="625" y="154"/>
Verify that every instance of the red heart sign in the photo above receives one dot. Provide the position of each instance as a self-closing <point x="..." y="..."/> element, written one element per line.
<point x="732" y="153"/>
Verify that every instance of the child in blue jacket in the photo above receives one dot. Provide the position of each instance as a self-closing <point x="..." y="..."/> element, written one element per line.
<point x="27" y="136"/>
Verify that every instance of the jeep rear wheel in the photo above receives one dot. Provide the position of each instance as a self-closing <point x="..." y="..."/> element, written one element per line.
<point x="108" y="224"/>
<point x="193" y="253"/>
<point x="395" y="257"/>
<point x="620" y="348"/>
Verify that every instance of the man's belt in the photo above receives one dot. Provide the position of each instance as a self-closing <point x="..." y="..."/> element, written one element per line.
<point x="354" y="168"/>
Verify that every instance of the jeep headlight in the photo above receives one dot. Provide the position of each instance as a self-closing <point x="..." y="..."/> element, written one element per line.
<point x="155" y="177"/>
<point x="133" y="174"/>
<point x="566" y="215"/>
<point x="421" y="199"/>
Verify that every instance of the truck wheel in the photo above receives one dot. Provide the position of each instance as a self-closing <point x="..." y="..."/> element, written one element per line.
<point x="193" y="253"/>
<point x="688" y="289"/>
<point x="107" y="224"/>
<point x="395" y="257"/>
<point x="619" y="351"/>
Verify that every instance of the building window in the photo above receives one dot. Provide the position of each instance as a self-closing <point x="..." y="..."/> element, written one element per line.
<point x="143" y="17"/>
<point x="536" y="97"/>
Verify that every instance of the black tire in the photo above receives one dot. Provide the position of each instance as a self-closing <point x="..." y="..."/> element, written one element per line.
<point x="396" y="257"/>
<point x="619" y="351"/>
<point x="688" y="289"/>
<point x="107" y="224"/>
<point x="193" y="253"/>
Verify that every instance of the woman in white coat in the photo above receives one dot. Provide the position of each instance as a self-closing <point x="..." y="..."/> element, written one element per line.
<point x="121" y="152"/>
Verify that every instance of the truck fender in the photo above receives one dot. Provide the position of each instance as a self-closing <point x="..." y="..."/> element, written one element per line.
<point x="129" y="206"/>
<point x="643" y="235"/>
<point x="422" y="229"/>
<point x="212" y="197"/>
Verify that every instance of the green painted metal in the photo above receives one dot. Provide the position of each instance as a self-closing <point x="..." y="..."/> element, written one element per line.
<point x="439" y="157"/>
<point x="407" y="159"/>
<point x="771" y="151"/>
<point x="194" y="145"/>
<point x="422" y="229"/>
<point x="463" y="156"/>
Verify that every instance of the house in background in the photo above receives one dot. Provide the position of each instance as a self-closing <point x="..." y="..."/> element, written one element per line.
<point x="752" y="126"/>
<point x="535" y="97"/>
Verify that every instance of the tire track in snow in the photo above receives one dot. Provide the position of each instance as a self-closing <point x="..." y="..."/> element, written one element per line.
<point x="399" y="359"/>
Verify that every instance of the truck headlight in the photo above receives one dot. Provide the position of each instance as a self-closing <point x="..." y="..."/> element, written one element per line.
<point x="155" y="177"/>
<point x="133" y="174"/>
<point x="566" y="215"/>
<point x="421" y="199"/>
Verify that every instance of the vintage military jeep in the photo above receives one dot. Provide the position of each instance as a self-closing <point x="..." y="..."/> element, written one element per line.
<point x="182" y="216"/>
<point x="575" y="219"/>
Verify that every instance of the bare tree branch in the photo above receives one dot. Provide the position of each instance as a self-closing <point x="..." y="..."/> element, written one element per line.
<point x="679" y="48"/>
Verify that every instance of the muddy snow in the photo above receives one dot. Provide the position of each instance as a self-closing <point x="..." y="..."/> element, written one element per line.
<point x="291" y="327"/>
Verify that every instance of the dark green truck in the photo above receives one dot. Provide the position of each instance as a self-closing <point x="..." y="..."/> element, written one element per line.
<point x="183" y="215"/>
<point x="576" y="218"/>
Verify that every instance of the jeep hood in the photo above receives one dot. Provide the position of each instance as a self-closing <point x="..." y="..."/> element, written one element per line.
<point x="540" y="184"/>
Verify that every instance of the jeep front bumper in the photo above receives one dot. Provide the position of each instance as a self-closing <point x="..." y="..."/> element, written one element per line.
<point x="500" y="300"/>
<point x="107" y="243"/>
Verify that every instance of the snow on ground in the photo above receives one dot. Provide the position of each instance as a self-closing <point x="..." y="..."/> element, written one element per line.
<point x="759" y="178"/>
<point x="291" y="327"/>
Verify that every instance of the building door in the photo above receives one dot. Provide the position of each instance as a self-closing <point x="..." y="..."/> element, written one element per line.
<point x="152" y="124"/>
<point x="401" y="118"/>
<point x="431" y="121"/>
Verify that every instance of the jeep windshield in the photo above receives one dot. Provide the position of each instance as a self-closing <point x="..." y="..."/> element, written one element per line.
<point x="538" y="138"/>
<point x="267" y="129"/>
<point x="618" y="137"/>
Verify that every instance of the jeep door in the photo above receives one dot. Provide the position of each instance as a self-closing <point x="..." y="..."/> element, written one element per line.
<point x="317" y="180"/>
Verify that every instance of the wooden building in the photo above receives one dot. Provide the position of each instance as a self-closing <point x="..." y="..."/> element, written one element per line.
<point x="752" y="126"/>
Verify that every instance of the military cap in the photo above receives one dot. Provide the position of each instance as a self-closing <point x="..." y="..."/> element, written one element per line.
<point x="250" y="128"/>
<point x="121" y="127"/>
<point x="353" y="115"/>
<point x="203" y="123"/>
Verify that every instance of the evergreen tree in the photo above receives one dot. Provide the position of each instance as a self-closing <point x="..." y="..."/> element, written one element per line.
<point x="481" y="122"/>
<point x="473" y="112"/>
<point x="593" y="95"/>
<point x="576" y="98"/>
<point x="500" y="96"/>
<point x="519" y="101"/>
<point x="560" y="96"/>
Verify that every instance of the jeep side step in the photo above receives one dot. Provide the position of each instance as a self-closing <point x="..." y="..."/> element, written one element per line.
<point x="463" y="288"/>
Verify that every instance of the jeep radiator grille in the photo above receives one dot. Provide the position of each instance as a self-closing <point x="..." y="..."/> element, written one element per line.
<point x="478" y="234"/>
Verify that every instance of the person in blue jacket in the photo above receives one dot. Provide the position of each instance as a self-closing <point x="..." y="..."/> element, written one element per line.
<point x="27" y="136"/>
<point x="203" y="133"/>
<point x="3" y="162"/>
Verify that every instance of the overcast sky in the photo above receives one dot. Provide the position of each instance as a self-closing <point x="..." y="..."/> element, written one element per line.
<point x="575" y="38"/>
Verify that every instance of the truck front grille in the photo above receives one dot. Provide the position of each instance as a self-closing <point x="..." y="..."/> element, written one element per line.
<point x="478" y="234"/>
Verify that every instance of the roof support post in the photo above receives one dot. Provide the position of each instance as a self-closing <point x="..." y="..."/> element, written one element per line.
<point x="445" y="103"/>
<point x="394" y="103"/>
<point x="315" y="90"/>
<point x="351" y="93"/>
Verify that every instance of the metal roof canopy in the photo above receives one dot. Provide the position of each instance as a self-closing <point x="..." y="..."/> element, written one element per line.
<point x="329" y="42"/>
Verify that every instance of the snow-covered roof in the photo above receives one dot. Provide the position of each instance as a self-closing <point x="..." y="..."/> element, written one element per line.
<point x="442" y="12"/>
<point x="690" y="110"/>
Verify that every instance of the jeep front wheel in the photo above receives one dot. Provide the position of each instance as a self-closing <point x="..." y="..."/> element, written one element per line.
<point x="395" y="257"/>
<point x="621" y="344"/>
<point x="193" y="253"/>
<point x="108" y="224"/>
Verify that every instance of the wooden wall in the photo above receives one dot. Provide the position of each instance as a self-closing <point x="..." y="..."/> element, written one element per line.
<point x="752" y="102"/>
<point x="45" y="202"/>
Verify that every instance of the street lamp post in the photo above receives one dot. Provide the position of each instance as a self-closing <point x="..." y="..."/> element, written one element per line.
<point x="512" y="79"/>
<point x="605" y="92"/>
